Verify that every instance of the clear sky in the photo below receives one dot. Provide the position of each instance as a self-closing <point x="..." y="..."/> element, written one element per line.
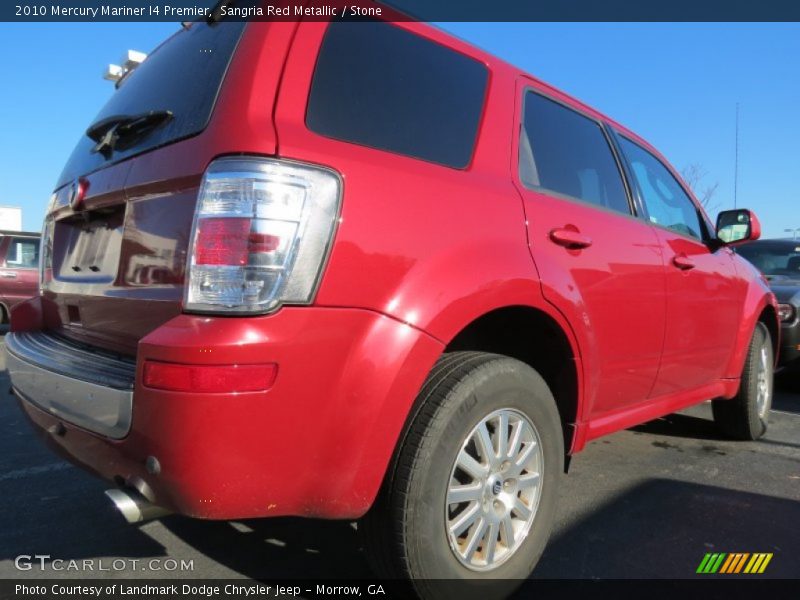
<point x="676" y="85"/>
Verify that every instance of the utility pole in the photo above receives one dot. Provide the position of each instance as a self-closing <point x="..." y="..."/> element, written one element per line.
<point x="736" y="162"/>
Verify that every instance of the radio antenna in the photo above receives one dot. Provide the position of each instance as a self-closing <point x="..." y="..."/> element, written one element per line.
<point x="736" y="162"/>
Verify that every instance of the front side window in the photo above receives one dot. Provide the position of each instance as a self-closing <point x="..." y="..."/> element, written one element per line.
<point x="565" y="152"/>
<point x="381" y="86"/>
<point x="22" y="254"/>
<point x="663" y="197"/>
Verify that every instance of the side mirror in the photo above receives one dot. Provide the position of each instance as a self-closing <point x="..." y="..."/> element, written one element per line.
<point x="737" y="226"/>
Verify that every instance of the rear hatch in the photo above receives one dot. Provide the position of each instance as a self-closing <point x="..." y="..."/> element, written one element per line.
<point x="118" y="227"/>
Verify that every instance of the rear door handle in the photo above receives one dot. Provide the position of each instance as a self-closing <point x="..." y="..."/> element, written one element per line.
<point x="683" y="262"/>
<point x="8" y="274"/>
<point x="570" y="238"/>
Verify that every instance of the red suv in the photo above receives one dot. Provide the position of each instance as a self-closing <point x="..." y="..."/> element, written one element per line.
<point x="365" y="270"/>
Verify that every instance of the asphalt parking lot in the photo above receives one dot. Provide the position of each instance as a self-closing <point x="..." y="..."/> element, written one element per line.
<point x="643" y="503"/>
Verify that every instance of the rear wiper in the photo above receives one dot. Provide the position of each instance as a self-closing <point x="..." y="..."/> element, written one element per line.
<point x="109" y="131"/>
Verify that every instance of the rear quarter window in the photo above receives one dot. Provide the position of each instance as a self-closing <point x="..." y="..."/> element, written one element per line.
<point x="381" y="86"/>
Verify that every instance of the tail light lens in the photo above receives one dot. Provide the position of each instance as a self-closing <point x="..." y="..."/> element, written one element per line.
<point x="261" y="234"/>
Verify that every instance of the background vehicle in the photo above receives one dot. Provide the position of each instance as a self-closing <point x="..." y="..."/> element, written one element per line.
<point x="19" y="270"/>
<point x="365" y="270"/>
<point x="779" y="261"/>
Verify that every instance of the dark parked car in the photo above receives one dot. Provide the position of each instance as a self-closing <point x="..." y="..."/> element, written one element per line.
<point x="19" y="275"/>
<point x="779" y="261"/>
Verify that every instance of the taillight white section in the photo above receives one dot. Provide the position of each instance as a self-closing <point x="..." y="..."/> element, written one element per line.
<point x="261" y="234"/>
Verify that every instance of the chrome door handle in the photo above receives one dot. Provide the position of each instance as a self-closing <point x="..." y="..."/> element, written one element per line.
<point x="8" y="274"/>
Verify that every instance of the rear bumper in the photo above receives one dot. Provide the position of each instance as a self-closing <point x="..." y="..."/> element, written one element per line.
<point x="90" y="389"/>
<point x="315" y="444"/>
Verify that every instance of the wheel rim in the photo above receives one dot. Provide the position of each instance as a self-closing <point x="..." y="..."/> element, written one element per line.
<point x="494" y="490"/>
<point x="764" y="382"/>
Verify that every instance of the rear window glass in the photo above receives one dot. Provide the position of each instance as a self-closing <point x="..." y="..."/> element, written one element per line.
<point x="565" y="152"/>
<point x="381" y="86"/>
<point x="183" y="75"/>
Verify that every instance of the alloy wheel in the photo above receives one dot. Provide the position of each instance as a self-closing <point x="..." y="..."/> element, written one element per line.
<point x="494" y="490"/>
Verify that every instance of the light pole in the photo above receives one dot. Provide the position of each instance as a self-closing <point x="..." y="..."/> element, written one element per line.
<point x="793" y="232"/>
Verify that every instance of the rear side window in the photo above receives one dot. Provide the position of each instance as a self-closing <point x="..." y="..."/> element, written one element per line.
<point x="22" y="253"/>
<point x="183" y="76"/>
<point x="666" y="202"/>
<point x="565" y="152"/>
<point x="380" y="86"/>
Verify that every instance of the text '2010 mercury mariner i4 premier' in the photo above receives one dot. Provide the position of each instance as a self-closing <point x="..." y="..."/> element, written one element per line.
<point x="364" y="270"/>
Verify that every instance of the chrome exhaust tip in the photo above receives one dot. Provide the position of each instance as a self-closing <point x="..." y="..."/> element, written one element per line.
<point x="134" y="507"/>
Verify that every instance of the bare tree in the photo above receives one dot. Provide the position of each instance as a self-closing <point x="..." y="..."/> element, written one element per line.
<point x="694" y="174"/>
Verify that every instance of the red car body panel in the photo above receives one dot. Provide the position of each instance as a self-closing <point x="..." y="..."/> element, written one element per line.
<point x="329" y="422"/>
<point x="420" y="252"/>
<point x="702" y="303"/>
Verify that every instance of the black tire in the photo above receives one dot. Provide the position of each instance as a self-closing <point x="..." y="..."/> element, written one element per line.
<point x="405" y="533"/>
<point x="742" y="418"/>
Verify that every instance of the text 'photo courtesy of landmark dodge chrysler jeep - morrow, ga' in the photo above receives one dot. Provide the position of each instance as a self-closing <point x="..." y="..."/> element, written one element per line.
<point x="364" y="270"/>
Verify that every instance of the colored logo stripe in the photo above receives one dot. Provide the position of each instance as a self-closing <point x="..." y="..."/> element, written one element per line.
<point x="724" y="563"/>
<point x="758" y="563"/>
<point x="734" y="563"/>
<point x="711" y="562"/>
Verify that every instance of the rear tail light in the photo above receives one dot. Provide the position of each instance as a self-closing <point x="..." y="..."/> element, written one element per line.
<point x="261" y="234"/>
<point x="209" y="378"/>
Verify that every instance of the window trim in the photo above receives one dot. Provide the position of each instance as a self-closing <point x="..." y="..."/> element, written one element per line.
<point x="706" y="236"/>
<point x="603" y="126"/>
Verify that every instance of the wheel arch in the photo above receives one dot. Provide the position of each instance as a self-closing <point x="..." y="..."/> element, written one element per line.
<point x="760" y="307"/>
<point x="769" y="317"/>
<point x="540" y="341"/>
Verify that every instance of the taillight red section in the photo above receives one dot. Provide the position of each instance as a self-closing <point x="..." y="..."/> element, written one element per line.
<point x="222" y="241"/>
<point x="209" y="378"/>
